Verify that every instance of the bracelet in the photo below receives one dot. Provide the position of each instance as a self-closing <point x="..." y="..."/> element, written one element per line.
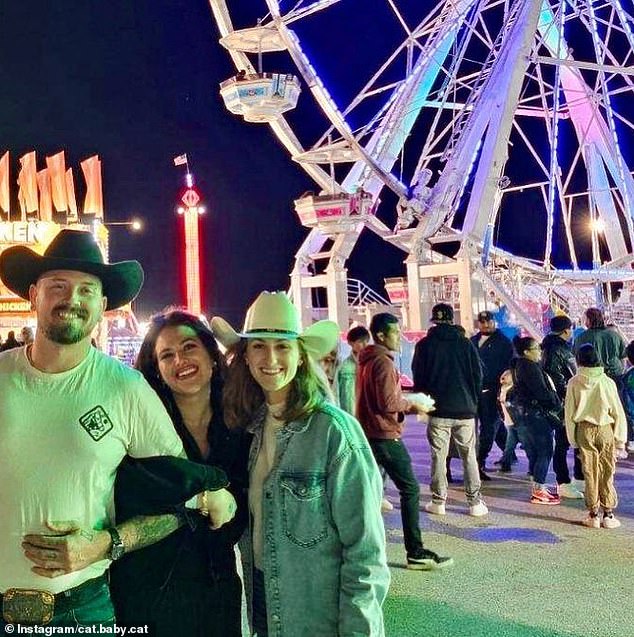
<point x="204" y="506"/>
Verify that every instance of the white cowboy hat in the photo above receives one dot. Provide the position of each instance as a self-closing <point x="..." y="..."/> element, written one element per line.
<point x="272" y="315"/>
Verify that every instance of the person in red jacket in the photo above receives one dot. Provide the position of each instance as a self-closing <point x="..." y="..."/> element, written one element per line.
<point x="381" y="410"/>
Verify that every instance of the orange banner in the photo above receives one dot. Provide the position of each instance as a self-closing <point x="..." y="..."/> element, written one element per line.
<point x="70" y="197"/>
<point x="27" y="180"/>
<point x="56" y="165"/>
<point x="4" y="184"/>
<point x="46" y="203"/>
<point x="93" y="203"/>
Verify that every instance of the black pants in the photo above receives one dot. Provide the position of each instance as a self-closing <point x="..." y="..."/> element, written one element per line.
<point x="393" y="456"/>
<point x="192" y="607"/>
<point x="490" y="426"/>
<point x="560" y="459"/>
<point x="260" y="623"/>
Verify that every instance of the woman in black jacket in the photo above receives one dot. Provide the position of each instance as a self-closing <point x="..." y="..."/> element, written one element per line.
<point x="536" y="407"/>
<point x="186" y="584"/>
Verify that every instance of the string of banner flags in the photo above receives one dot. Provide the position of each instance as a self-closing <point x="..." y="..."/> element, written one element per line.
<point x="41" y="192"/>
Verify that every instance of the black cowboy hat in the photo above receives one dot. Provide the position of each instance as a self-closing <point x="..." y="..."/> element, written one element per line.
<point x="20" y="267"/>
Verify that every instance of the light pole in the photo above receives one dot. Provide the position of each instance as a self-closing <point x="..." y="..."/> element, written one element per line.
<point x="134" y="224"/>
<point x="101" y="234"/>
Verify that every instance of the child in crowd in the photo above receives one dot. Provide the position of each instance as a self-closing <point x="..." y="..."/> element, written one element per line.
<point x="596" y="424"/>
<point x="512" y="440"/>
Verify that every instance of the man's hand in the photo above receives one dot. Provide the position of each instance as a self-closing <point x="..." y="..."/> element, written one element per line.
<point x="65" y="549"/>
<point x="220" y="506"/>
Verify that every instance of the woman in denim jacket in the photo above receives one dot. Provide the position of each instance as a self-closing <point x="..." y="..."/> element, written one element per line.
<point x="314" y="554"/>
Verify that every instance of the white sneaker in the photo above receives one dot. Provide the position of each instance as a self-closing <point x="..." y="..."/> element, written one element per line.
<point x="567" y="490"/>
<point x="610" y="522"/>
<point x="629" y="447"/>
<point x="386" y="506"/>
<point x="435" y="509"/>
<point x="621" y="454"/>
<point x="478" y="510"/>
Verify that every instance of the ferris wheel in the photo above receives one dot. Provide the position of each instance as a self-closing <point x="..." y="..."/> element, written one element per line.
<point x="497" y="133"/>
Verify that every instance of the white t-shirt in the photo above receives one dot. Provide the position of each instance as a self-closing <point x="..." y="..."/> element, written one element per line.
<point x="62" y="437"/>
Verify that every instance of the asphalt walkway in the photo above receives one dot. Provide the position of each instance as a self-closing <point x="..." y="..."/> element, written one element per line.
<point x="524" y="570"/>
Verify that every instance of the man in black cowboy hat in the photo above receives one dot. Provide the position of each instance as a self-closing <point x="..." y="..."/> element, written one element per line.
<point x="68" y="416"/>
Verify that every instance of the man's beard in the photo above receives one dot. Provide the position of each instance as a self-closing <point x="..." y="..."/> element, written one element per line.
<point x="71" y="332"/>
<point x="67" y="334"/>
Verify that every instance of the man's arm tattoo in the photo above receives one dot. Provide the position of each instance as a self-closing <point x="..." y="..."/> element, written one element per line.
<point x="142" y="531"/>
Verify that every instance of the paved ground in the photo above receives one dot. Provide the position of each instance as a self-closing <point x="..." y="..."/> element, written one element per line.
<point x="523" y="571"/>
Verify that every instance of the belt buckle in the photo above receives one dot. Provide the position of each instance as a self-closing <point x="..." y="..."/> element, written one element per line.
<point x="27" y="606"/>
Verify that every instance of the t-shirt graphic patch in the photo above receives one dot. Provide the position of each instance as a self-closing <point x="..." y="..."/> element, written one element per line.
<point x="96" y="422"/>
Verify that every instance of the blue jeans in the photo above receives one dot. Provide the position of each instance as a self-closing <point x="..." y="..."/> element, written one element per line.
<point x="491" y="427"/>
<point x="536" y="434"/>
<point x="393" y="456"/>
<point x="512" y="440"/>
<point x="93" y="610"/>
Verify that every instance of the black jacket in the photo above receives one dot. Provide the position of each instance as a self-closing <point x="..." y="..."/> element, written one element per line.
<point x="531" y="387"/>
<point x="193" y="554"/>
<point x="496" y="354"/>
<point x="446" y="366"/>
<point x="558" y="362"/>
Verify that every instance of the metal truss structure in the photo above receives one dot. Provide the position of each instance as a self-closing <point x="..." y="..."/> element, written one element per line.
<point x="502" y="128"/>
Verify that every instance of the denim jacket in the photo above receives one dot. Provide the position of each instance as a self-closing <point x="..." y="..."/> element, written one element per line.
<point x="324" y="558"/>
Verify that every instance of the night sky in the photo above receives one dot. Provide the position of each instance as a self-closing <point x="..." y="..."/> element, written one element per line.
<point x="137" y="83"/>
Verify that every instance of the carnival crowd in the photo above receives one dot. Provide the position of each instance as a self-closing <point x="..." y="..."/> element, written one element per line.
<point x="125" y="491"/>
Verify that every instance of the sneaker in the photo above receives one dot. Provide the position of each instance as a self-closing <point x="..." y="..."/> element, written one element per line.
<point x="610" y="522"/>
<point x="436" y="508"/>
<point x="386" y="506"/>
<point x="567" y="490"/>
<point x="543" y="496"/>
<point x="621" y="454"/>
<point x="428" y="561"/>
<point x="592" y="521"/>
<point x="478" y="510"/>
<point x="579" y="485"/>
<point x="629" y="447"/>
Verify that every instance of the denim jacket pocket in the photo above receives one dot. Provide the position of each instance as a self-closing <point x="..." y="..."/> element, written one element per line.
<point x="304" y="507"/>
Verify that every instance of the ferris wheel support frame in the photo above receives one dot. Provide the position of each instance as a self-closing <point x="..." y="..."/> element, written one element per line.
<point x="480" y="137"/>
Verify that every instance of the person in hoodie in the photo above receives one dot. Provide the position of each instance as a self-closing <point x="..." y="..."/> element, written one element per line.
<point x="496" y="352"/>
<point x="558" y="362"/>
<point x="446" y="366"/>
<point x="607" y="342"/>
<point x="381" y="411"/>
<point x="596" y="424"/>
<point x="536" y="407"/>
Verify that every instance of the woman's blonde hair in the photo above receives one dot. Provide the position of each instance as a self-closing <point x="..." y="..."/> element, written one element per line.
<point x="242" y="396"/>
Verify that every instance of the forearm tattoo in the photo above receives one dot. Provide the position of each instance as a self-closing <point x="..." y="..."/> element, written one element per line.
<point x="142" y="531"/>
